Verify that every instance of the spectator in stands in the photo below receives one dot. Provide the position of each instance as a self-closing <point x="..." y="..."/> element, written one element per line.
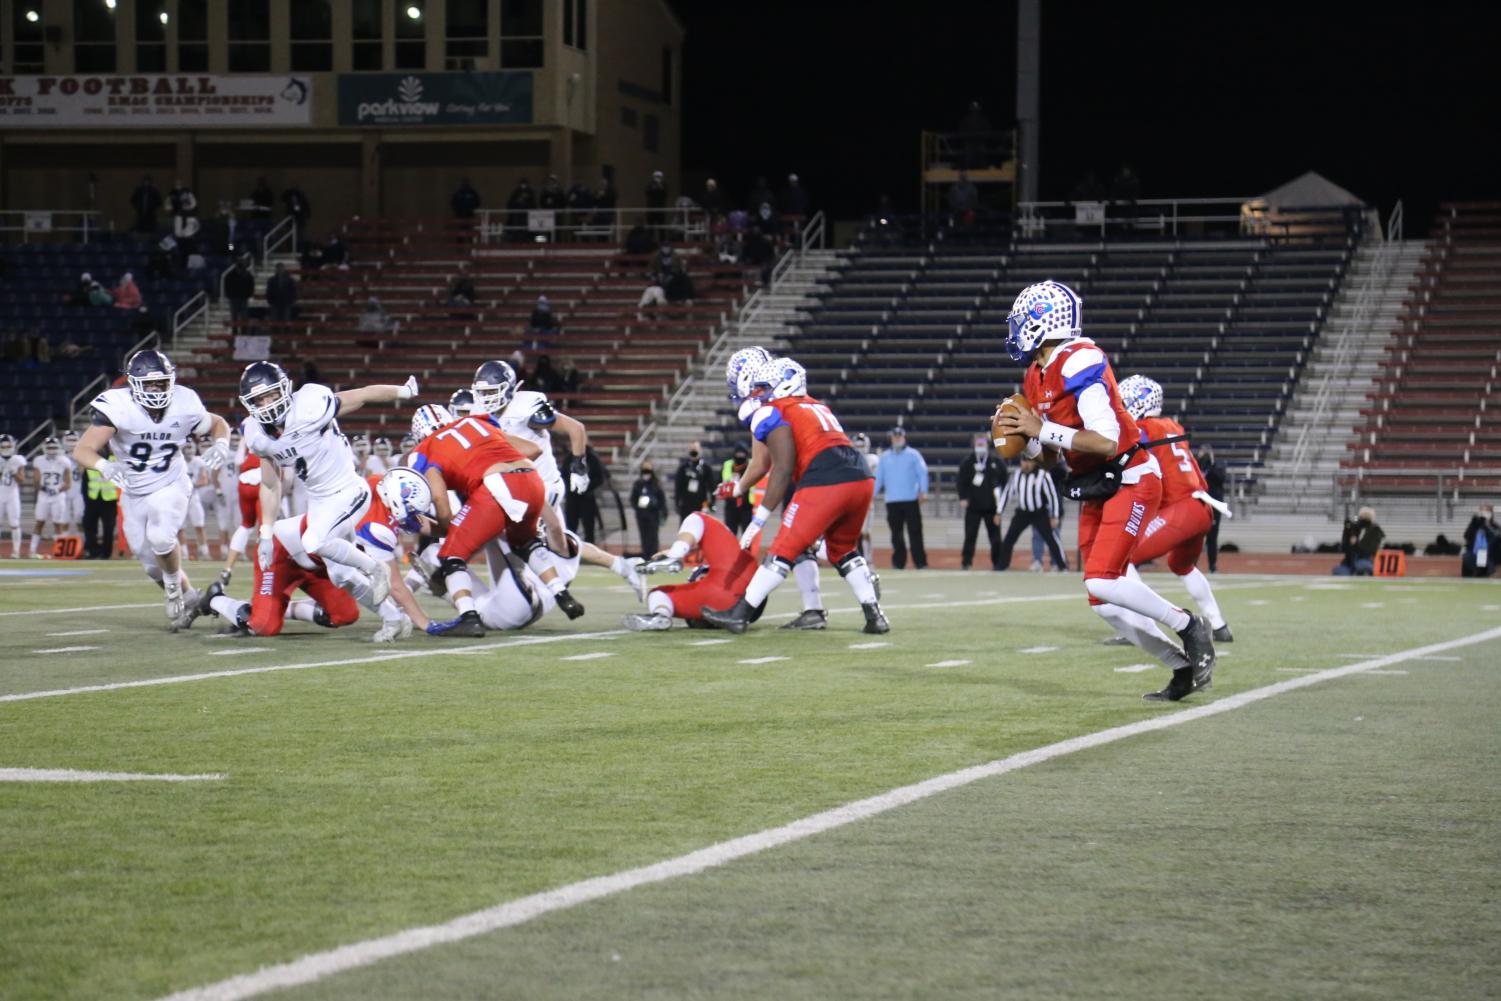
<point x="161" y="263"/>
<point x="99" y="295"/>
<point x="298" y="207"/>
<point x="80" y="296"/>
<point x="569" y="381"/>
<point x="580" y="201"/>
<point x="1360" y="543"/>
<point x="656" y="199"/>
<point x="650" y="505"/>
<point x="1215" y="477"/>
<point x="771" y="224"/>
<point x="1482" y="539"/>
<point x="553" y="197"/>
<point x="181" y="199"/>
<point x="1125" y="189"/>
<point x="125" y="293"/>
<point x="336" y="254"/>
<point x="522" y="200"/>
<point x="903" y="475"/>
<point x="693" y="484"/>
<point x="185" y="230"/>
<point x="758" y="252"/>
<point x="729" y="246"/>
<point x="760" y="192"/>
<point x="639" y="241"/>
<point x="263" y="199"/>
<point x="239" y="289"/>
<point x="281" y="294"/>
<point x="794" y="200"/>
<point x="981" y="476"/>
<point x="974" y="126"/>
<point x="461" y="291"/>
<point x="738" y="511"/>
<point x="963" y="200"/>
<point x="605" y="200"/>
<point x="465" y="200"/>
<point x="545" y="378"/>
<point x="1088" y="189"/>
<point x="679" y="283"/>
<point x="712" y="200"/>
<point x="374" y="319"/>
<point x="146" y="201"/>
<point x="654" y="295"/>
<point x="543" y="321"/>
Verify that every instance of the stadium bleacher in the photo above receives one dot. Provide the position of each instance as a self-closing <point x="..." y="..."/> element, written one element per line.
<point x="35" y="282"/>
<point x="1432" y="423"/>
<point x="915" y="335"/>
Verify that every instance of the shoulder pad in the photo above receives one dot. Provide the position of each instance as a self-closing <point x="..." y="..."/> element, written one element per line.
<point x="543" y="415"/>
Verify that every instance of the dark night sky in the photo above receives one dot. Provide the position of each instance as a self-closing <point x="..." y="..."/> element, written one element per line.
<point x="1208" y="99"/>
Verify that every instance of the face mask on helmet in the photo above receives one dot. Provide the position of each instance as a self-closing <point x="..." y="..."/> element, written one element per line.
<point x="360" y="444"/>
<point x="7" y="446"/>
<point x="265" y="392"/>
<point x="151" y="377"/>
<point x="494" y="385"/>
<point x="406" y="495"/>
<point x="382" y="447"/>
<point x="52" y="447"/>
<point x="428" y="418"/>
<point x="1141" y="396"/>
<point x="744" y="360"/>
<point x="1046" y="311"/>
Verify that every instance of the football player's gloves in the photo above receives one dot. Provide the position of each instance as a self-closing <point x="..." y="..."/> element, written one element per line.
<point x="115" y="472"/>
<point x="407" y="389"/>
<point x="727" y="490"/>
<point x="758" y="519"/>
<point x="264" y="550"/>
<point x="578" y="476"/>
<point x="217" y="455"/>
<point x="1046" y="311"/>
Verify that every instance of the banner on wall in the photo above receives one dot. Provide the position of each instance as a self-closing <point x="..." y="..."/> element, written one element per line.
<point x="154" y="100"/>
<point x="500" y="98"/>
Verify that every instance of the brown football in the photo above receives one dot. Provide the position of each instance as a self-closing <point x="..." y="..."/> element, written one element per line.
<point x="1009" y="446"/>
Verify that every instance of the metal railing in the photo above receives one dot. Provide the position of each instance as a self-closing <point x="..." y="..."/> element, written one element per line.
<point x="46" y="429"/>
<point x="189" y="312"/>
<point x="98" y="385"/>
<point x="1350" y="490"/>
<point x="686" y="223"/>
<point x="282" y="233"/>
<point x="1164" y="215"/>
<point x="812" y="235"/>
<point x="1367" y="296"/>
<point x="42" y="223"/>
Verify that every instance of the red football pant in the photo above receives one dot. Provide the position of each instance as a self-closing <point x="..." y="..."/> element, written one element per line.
<point x="835" y="512"/>
<point x="274" y="589"/>
<point x="1178" y="532"/>
<point x="730" y="571"/>
<point x="1109" y="530"/>
<point x="482" y="519"/>
<point x="250" y="505"/>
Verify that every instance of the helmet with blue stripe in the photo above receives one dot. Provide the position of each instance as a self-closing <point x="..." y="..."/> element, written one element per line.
<point x="1142" y="397"/>
<point x="742" y="361"/>
<point x="780" y="377"/>
<point x="406" y="494"/>
<point x="428" y="418"/>
<point x="1047" y="311"/>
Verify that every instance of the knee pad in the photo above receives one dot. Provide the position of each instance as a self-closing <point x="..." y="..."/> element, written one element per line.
<point x="450" y="565"/>
<point x="777" y="565"/>
<point x="850" y="562"/>
<point x="804" y="556"/>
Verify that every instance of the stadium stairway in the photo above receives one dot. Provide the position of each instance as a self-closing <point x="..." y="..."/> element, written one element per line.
<point x="768" y="318"/>
<point x="1287" y="486"/>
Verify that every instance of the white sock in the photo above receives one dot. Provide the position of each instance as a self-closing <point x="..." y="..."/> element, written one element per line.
<point x="346" y="552"/>
<point x="464" y="603"/>
<point x="36" y="541"/>
<point x="390" y="611"/>
<point x="806" y="573"/>
<point x="620" y="568"/>
<point x="227" y="607"/>
<point x="240" y="538"/>
<point x="659" y="603"/>
<point x="764" y="582"/>
<point x="1129" y="625"/>
<point x="303" y="609"/>
<point x="1203" y="596"/>
<point x="1136" y="596"/>
<point x="15" y="543"/>
<point x="857" y="575"/>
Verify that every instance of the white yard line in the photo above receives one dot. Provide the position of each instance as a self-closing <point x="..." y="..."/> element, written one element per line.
<point x="1136" y="668"/>
<point x="237" y="651"/>
<point x="596" y="655"/>
<point x="318" y="966"/>
<point x="1038" y="649"/>
<point x="66" y="649"/>
<point x="69" y="775"/>
<point x="710" y="642"/>
<point x="763" y="660"/>
<point x="1314" y="670"/>
<point x="86" y="608"/>
<point x="949" y="663"/>
<point x="80" y="632"/>
<point x="427" y="650"/>
<point x="867" y="646"/>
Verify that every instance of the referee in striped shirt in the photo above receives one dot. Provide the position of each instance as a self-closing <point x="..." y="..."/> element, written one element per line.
<point x="1037" y="507"/>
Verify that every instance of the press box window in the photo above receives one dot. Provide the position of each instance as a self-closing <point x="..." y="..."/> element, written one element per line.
<point x="468" y="44"/>
<point x="93" y="37"/>
<point x="151" y="36"/>
<point x="576" y="24"/>
<point x="411" y="35"/>
<point x="312" y="36"/>
<point x="366" y="50"/>
<point x="521" y="34"/>
<point x="192" y="36"/>
<point x="250" y="36"/>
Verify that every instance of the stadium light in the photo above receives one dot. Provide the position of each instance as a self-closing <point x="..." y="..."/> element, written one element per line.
<point x="414" y="12"/>
<point x="33" y="16"/>
<point x="163" y="17"/>
<point x="110" y="4"/>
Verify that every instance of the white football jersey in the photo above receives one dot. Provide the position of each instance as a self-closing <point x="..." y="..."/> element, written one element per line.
<point x="50" y="470"/>
<point x="516" y="419"/>
<point x="10" y="472"/>
<point x="310" y="444"/>
<point x="376" y="465"/>
<point x="151" y="449"/>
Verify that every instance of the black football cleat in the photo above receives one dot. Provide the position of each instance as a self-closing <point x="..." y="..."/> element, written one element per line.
<point x="467" y="626"/>
<point x="1223" y="634"/>
<point x="1181" y="686"/>
<point x="875" y="619"/>
<point x="735" y="618"/>
<point x="569" y="604"/>
<point x="812" y="618"/>
<point x="1198" y="645"/>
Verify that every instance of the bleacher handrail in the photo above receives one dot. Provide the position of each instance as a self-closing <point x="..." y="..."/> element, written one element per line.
<point x="47" y="428"/>
<point x="97" y="385"/>
<point x="812" y="235"/>
<point x="278" y="235"/>
<point x="87" y="222"/>
<point x="1367" y="295"/>
<point x="1163" y="214"/>
<point x="185" y="314"/>
<point x="585" y="225"/>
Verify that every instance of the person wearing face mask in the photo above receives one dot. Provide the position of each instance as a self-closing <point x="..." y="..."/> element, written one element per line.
<point x="693" y="484"/>
<point x="1482" y="539"/>
<point x="981" y="477"/>
<point x="903" y="475"/>
<point x="738" y="511"/>
<point x="1215" y="475"/>
<point x="650" y="505"/>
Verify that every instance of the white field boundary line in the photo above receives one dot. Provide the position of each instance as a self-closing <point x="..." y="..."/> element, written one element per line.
<point x="426" y="651"/>
<point x="319" y="965"/>
<point x="69" y="775"/>
<point x="89" y="608"/>
<point x="482" y="647"/>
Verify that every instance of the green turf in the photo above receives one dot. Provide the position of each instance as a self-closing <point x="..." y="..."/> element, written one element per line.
<point x="369" y="797"/>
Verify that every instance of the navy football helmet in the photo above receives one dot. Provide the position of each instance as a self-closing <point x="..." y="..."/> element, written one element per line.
<point x="494" y="385"/>
<point x="151" y="376"/>
<point x="266" y="391"/>
<point x="461" y="402"/>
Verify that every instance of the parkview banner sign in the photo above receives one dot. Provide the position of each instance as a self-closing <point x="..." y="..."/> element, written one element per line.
<point x="385" y="99"/>
<point x="153" y="100"/>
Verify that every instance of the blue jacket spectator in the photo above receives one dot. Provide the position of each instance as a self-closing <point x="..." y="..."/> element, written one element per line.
<point x="902" y="472"/>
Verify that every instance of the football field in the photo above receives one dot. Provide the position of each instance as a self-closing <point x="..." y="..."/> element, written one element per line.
<point x="978" y="804"/>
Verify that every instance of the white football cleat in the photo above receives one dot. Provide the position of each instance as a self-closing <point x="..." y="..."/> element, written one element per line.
<point x="666" y="564"/>
<point x="392" y="630"/>
<point x="638" y="623"/>
<point x="172" y="587"/>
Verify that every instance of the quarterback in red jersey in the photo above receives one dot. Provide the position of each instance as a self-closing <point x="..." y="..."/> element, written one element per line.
<point x="726" y="572"/>
<point x="808" y="448"/>
<point x="1077" y="411"/>
<point x="1185" y="517"/>
<point x="503" y="496"/>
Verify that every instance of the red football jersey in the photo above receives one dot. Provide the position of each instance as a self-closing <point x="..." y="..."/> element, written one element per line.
<point x="252" y="461"/>
<point x="1053" y="392"/>
<point x="815" y="430"/>
<point x="1181" y="475"/>
<point x="463" y="451"/>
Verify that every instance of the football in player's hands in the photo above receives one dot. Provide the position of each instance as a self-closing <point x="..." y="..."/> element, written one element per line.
<point x="1003" y="434"/>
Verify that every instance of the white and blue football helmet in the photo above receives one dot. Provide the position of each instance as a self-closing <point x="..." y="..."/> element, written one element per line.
<point x="744" y="360"/>
<point x="428" y="418"/>
<point x="1047" y="311"/>
<point x="1141" y="396"/>
<point x="406" y="494"/>
<point x="781" y="377"/>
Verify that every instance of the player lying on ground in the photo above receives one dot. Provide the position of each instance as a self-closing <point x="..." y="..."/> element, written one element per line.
<point x="145" y="426"/>
<point x="808" y="448"/>
<point x="726" y="572"/>
<point x="1076" y="410"/>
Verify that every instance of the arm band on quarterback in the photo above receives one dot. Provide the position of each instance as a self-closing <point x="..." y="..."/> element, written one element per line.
<point x="1033" y="449"/>
<point x="679" y="549"/>
<point x="1057" y="435"/>
<point x="762" y="513"/>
